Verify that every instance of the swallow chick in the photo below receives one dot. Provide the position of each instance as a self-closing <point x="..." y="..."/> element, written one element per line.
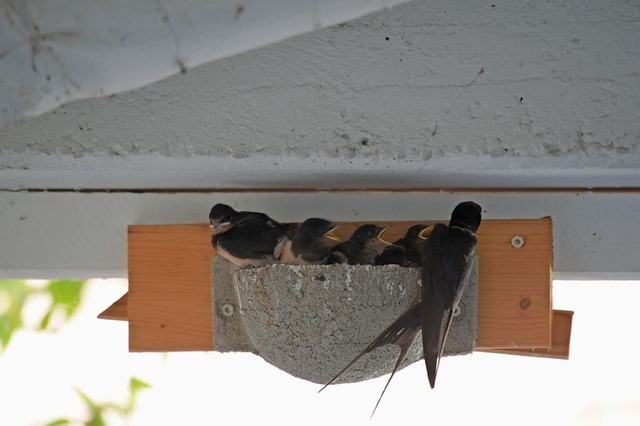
<point x="361" y="248"/>
<point x="413" y="241"/>
<point x="392" y="255"/>
<point x="244" y="238"/>
<point x="402" y="333"/>
<point x="308" y="244"/>
<point x="406" y="251"/>
<point x="447" y="260"/>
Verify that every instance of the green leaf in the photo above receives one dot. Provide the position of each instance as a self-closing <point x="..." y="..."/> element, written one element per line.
<point x="91" y="405"/>
<point x="59" y="422"/>
<point x="13" y="294"/>
<point x="8" y="325"/>
<point x="66" y="294"/>
<point x="95" y="410"/>
<point x="44" y="322"/>
<point x="97" y="421"/>
<point x="135" y="386"/>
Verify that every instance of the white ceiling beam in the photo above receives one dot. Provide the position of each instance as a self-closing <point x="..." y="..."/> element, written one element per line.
<point x="81" y="235"/>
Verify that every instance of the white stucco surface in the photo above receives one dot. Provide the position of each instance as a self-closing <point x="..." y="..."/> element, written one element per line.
<point x="54" y="51"/>
<point x="427" y="94"/>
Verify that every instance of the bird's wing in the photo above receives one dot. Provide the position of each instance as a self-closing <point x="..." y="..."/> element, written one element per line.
<point x="391" y="255"/>
<point x="433" y="308"/>
<point x="457" y="250"/>
<point x="397" y="333"/>
<point x="464" y="281"/>
<point x="445" y="275"/>
<point x="413" y="250"/>
<point x="257" y="238"/>
<point x="263" y="218"/>
<point x="405" y="338"/>
<point x="342" y="253"/>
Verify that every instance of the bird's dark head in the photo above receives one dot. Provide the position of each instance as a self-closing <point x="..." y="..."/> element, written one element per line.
<point x="221" y="218"/>
<point x="313" y="239"/>
<point x="415" y="230"/>
<point x="316" y="228"/>
<point x="467" y="215"/>
<point x="369" y="233"/>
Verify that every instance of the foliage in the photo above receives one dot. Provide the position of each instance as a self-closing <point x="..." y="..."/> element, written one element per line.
<point x="13" y="294"/>
<point x="64" y="298"/>
<point x="97" y="411"/>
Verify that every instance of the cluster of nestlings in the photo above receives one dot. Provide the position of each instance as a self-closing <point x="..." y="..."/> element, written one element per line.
<point x="254" y="239"/>
<point x="444" y="254"/>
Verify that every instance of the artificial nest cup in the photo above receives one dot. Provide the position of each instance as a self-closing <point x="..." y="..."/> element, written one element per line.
<point x="312" y="320"/>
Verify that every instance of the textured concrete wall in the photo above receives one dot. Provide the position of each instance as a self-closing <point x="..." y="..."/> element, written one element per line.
<point x="430" y="93"/>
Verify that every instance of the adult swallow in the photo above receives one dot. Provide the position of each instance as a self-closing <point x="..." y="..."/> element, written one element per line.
<point x="361" y="248"/>
<point x="406" y="251"/>
<point x="308" y="244"/>
<point x="244" y="238"/>
<point x="447" y="260"/>
<point x="403" y="332"/>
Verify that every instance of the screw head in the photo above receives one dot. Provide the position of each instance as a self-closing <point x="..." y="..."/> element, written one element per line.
<point x="227" y="310"/>
<point x="517" y="241"/>
<point x="457" y="311"/>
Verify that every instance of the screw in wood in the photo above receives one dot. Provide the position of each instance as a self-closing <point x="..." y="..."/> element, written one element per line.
<point x="517" y="241"/>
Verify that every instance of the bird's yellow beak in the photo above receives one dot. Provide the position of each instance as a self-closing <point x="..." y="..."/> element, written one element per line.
<point x="424" y="234"/>
<point x="330" y="235"/>
<point x="380" y="236"/>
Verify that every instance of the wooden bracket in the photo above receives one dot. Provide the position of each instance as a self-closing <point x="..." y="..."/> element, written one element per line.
<point x="169" y="304"/>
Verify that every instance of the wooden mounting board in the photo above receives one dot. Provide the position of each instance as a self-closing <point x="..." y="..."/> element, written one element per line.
<point x="169" y="306"/>
<point x="560" y="340"/>
<point x="169" y="302"/>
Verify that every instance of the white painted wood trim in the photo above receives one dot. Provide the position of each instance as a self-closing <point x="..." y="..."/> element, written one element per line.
<point x="30" y="170"/>
<point x="81" y="235"/>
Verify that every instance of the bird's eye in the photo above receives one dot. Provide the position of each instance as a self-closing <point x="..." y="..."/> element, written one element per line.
<point x="227" y="218"/>
<point x="373" y="231"/>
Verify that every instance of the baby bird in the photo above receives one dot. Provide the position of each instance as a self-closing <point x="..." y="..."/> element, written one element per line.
<point x="362" y="248"/>
<point x="406" y="251"/>
<point x="244" y="238"/>
<point x="308" y="244"/>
